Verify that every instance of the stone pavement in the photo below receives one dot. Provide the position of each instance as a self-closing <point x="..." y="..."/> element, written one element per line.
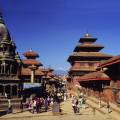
<point x="67" y="114"/>
<point x="115" y="113"/>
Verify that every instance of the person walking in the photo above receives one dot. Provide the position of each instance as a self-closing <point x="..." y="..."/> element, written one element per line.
<point x="108" y="107"/>
<point x="37" y="105"/>
<point x="34" y="106"/>
<point x="46" y="104"/>
<point x="78" y="105"/>
<point x="74" y="105"/>
<point x="55" y="108"/>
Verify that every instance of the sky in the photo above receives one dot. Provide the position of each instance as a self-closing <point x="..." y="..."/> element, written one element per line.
<point x="53" y="27"/>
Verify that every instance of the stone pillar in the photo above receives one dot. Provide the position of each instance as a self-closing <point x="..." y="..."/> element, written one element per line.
<point x="11" y="94"/>
<point x="17" y="90"/>
<point x="3" y="89"/>
<point x="10" y="69"/>
<point x="4" y="68"/>
<point x="0" y="69"/>
<point x="32" y="76"/>
<point x="18" y="69"/>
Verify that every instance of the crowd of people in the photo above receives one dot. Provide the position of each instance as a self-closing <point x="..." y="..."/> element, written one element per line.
<point x="78" y="102"/>
<point x="36" y="104"/>
<point x="42" y="104"/>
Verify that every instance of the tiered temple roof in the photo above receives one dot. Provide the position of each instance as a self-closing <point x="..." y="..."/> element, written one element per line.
<point x="31" y="63"/>
<point x="86" y="56"/>
<point x="31" y="54"/>
<point x="89" y="54"/>
<point x="27" y="72"/>
<point x="87" y="48"/>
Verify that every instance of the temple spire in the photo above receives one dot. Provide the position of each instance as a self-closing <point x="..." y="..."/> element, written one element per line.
<point x="87" y="35"/>
<point x="1" y="18"/>
<point x="4" y="31"/>
<point x="30" y="50"/>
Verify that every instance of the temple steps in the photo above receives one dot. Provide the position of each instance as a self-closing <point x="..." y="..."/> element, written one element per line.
<point x="15" y="102"/>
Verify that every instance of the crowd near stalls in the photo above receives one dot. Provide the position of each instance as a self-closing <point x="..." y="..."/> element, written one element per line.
<point x="37" y="104"/>
<point x="50" y="92"/>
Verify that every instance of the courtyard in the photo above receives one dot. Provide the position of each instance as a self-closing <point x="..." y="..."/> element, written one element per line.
<point x="67" y="114"/>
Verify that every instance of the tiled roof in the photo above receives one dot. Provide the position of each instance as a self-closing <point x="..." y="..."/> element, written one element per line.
<point x="50" y="74"/>
<point x="113" y="60"/>
<point x="99" y="75"/>
<point x="39" y="72"/>
<point x="82" y="69"/>
<point x="27" y="71"/>
<point x="90" y="54"/>
<point x="31" y="53"/>
<point x="44" y="70"/>
<point x="89" y="45"/>
<point x="31" y="62"/>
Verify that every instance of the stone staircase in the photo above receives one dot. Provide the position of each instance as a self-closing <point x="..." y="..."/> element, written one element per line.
<point x="3" y="103"/>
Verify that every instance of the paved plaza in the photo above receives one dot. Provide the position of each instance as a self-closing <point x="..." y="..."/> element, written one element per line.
<point x="67" y="114"/>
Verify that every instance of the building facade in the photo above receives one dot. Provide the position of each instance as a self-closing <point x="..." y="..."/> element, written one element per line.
<point x="112" y="69"/>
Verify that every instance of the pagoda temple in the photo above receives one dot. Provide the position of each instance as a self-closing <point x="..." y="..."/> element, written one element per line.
<point x="31" y="71"/>
<point x="86" y="58"/>
<point x="10" y="63"/>
<point x="51" y="82"/>
<point x="37" y="79"/>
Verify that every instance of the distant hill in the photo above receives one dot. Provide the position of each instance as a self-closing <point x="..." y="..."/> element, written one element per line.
<point x="61" y="72"/>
